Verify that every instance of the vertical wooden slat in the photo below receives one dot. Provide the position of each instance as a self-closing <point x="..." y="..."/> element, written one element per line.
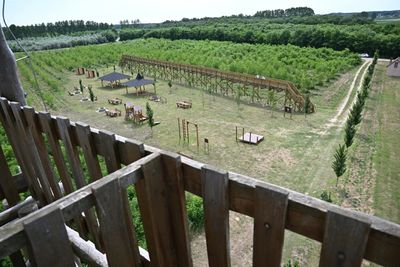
<point x="119" y="250"/>
<point x="163" y="215"/>
<point x="172" y="168"/>
<point x="51" y="131"/>
<point x="216" y="212"/>
<point x="8" y="186"/>
<point x="18" y="144"/>
<point x="48" y="243"/>
<point x="110" y="151"/>
<point x="344" y="242"/>
<point x="85" y="140"/>
<point x="42" y="150"/>
<point x="269" y="226"/>
<point x="32" y="152"/>
<point x="113" y="164"/>
<point x="73" y="158"/>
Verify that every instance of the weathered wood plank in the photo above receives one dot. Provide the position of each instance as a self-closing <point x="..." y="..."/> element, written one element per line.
<point x="32" y="152"/>
<point x="151" y="194"/>
<point x="86" y="142"/>
<point x="113" y="227"/>
<point x="48" y="243"/>
<point x="216" y="213"/>
<point x="7" y="183"/>
<point x="270" y="206"/>
<point x="345" y="239"/>
<point x="33" y="125"/>
<point x="77" y="172"/>
<point x="110" y="151"/>
<point x="17" y="141"/>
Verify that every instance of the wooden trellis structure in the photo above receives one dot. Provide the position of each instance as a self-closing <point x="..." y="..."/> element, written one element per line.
<point x="237" y="85"/>
<point x="98" y="209"/>
<point x="184" y="131"/>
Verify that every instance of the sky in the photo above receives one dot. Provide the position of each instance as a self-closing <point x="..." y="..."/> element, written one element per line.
<point x="27" y="12"/>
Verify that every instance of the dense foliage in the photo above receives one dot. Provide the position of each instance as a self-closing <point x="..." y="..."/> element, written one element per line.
<point x="306" y="67"/>
<point x="57" y="28"/>
<point x="62" y="41"/>
<point x="358" y="37"/>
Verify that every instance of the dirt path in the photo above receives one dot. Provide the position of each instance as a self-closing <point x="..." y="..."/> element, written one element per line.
<point x="342" y="108"/>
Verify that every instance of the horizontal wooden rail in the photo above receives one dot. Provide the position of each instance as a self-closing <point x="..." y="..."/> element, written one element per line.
<point x="378" y="239"/>
<point x="291" y="91"/>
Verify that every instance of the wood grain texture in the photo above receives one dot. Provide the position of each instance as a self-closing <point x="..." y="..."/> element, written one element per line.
<point x="345" y="239"/>
<point x="270" y="206"/>
<point x="119" y="249"/>
<point x="216" y="213"/>
<point x="48" y="243"/>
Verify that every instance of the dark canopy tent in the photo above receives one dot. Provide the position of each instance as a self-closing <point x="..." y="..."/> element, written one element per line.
<point x="113" y="77"/>
<point x="138" y="84"/>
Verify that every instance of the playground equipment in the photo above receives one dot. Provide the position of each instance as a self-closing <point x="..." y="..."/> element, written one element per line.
<point x="236" y="85"/>
<point x="80" y="71"/>
<point x="184" y="134"/>
<point x="249" y="137"/>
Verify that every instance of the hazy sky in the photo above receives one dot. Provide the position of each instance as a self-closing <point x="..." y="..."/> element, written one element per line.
<point x="24" y="12"/>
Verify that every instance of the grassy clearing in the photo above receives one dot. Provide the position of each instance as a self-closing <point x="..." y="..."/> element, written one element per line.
<point x="294" y="153"/>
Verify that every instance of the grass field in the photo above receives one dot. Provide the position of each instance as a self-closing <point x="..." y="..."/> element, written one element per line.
<point x="374" y="182"/>
<point x="296" y="153"/>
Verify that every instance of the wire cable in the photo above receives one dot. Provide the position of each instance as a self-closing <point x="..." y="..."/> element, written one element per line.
<point x="36" y="83"/>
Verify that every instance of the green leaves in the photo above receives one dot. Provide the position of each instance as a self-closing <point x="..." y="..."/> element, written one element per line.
<point x="339" y="162"/>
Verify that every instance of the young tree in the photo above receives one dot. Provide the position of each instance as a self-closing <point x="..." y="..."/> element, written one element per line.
<point x="307" y="104"/>
<point x="81" y="85"/>
<point x="339" y="163"/>
<point x="350" y="131"/>
<point x="170" y="85"/>
<point x="91" y="94"/>
<point x="150" y="113"/>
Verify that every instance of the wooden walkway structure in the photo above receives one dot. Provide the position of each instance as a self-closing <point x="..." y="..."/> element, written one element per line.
<point x="90" y="219"/>
<point x="216" y="81"/>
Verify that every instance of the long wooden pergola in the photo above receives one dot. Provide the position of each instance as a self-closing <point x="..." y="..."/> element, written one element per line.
<point x="237" y="85"/>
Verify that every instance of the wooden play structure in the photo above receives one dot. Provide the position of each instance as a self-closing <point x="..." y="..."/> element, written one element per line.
<point x="184" y="132"/>
<point x="184" y="104"/>
<point x="134" y="113"/>
<point x="88" y="220"/>
<point x="237" y="85"/>
<point x="90" y="74"/>
<point x="113" y="113"/>
<point x="80" y="71"/>
<point x="115" y="101"/>
<point x="249" y="137"/>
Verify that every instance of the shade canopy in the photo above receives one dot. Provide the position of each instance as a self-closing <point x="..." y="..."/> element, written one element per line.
<point x="138" y="83"/>
<point x="114" y="76"/>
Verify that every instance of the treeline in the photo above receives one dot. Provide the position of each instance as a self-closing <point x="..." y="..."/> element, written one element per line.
<point x="57" y="28"/>
<point x="356" y="38"/>
<point x="63" y="41"/>
<point x="290" y="12"/>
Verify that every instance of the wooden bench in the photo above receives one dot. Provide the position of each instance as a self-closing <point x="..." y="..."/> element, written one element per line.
<point x="115" y="101"/>
<point x="113" y="113"/>
<point x="184" y="104"/>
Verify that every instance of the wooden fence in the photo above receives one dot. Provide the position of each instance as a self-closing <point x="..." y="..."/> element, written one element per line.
<point x="54" y="153"/>
<point x="223" y="82"/>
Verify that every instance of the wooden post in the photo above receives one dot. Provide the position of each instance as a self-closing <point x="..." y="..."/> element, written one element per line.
<point x="236" y="134"/>
<point x="187" y="131"/>
<point x="197" y="135"/>
<point x="179" y="129"/>
<point x="243" y="133"/>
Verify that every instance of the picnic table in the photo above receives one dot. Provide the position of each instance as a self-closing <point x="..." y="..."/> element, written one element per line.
<point x="113" y="113"/>
<point x="184" y="104"/>
<point x="115" y="101"/>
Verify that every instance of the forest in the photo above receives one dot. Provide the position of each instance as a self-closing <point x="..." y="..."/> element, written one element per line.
<point x="359" y="38"/>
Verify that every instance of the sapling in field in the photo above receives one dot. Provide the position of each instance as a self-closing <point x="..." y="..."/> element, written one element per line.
<point x="150" y="114"/>
<point x="339" y="162"/>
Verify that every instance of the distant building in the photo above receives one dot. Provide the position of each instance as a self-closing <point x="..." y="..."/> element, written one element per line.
<point x="393" y="69"/>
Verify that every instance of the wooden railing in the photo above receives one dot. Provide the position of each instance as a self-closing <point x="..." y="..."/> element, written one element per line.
<point x="99" y="211"/>
<point x="290" y="89"/>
